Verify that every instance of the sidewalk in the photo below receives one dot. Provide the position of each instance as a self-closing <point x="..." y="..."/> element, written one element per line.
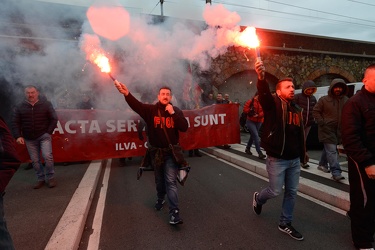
<point x="313" y="182"/>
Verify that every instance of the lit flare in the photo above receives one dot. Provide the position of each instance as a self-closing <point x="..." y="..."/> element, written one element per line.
<point x="101" y="61"/>
<point x="249" y="39"/>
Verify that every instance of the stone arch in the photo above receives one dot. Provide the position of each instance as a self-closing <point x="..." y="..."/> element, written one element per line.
<point x="331" y="70"/>
<point x="239" y="67"/>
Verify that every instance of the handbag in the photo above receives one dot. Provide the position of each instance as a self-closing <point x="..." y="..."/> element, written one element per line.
<point x="184" y="167"/>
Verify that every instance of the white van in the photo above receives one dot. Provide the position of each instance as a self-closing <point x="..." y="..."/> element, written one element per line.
<point x="312" y="139"/>
<point x="322" y="91"/>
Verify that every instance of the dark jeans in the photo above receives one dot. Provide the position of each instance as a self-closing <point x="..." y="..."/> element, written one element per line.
<point x="6" y="242"/>
<point x="166" y="181"/>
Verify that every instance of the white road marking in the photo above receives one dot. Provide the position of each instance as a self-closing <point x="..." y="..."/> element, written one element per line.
<point x="94" y="240"/>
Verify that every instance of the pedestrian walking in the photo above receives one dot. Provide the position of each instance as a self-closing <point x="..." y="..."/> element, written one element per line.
<point x="282" y="137"/>
<point x="33" y="123"/>
<point x="327" y="113"/>
<point x="164" y="122"/>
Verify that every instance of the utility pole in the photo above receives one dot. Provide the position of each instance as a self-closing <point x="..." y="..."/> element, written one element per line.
<point x="161" y="7"/>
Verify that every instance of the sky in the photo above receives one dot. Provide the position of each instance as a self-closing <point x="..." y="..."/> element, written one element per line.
<point x="344" y="19"/>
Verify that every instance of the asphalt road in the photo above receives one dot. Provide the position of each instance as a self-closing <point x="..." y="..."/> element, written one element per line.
<point x="216" y="207"/>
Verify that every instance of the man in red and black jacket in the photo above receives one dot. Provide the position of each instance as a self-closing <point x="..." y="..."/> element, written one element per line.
<point x="9" y="163"/>
<point x="282" y="137"/>
<point x="163" y="113"/>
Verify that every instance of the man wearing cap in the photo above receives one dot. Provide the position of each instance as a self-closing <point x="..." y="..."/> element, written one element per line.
<point x="306" y="100"/>
<point x="327" y="113"/>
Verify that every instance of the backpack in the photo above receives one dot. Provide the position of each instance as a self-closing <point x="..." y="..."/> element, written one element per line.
<point x="249" y="108"/>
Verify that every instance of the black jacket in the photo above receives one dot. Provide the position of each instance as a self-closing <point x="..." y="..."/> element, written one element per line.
<point x="149" y="113"/>
<point x="31" y="121"/>
<point x="307" y="103"/>
<point x="358" y="128"/>
<point x="9" y="160"/>
<point x="273" y="131"/>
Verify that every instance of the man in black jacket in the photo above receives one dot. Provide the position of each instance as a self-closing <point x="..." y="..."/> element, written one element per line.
<point x="306" y="100"/>
<point x="358" y="138"/>
<point x="282" y="137"/>
<point x="33" y="123"/>
<point x="9" y="163"/>
<point x="159" y="115"/>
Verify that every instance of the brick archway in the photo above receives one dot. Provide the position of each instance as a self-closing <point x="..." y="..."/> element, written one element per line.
<point x="239" y="67"/>
<point x="331" y="70"/>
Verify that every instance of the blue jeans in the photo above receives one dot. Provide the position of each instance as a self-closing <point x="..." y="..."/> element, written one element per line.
<point x="329" y="156"/>
<point x="254" y="136"/>
<point x="6" y="241"/>
<point x="166" y="181"/>
<point x="34" y="147"/>
<point x="282" y="172"/>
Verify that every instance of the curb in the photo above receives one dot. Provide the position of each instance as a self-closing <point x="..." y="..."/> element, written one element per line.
<point x="68" y="233"/>
<point x="327" y="194"/>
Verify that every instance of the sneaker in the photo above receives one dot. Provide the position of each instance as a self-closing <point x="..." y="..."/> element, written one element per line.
<point x="39" y="184"/>
<point x="323" y="168"/>
<point x="305" y="165"/>
<point x="175" y="217"/>
<point x="288" y="229"/>
<point x="338" y="178"/>
<point x="159" y="204"/>
<point x="52" y="183"/>
<point x="247" y="151"/>
<point x="256" y="207"/>
<point x="261" y="156"/>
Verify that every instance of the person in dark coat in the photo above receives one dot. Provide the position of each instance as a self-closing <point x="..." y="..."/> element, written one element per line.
<point x="358" y="139"/>
<point x="307" y="101"/>
<point x="9" y="163"/>
<point x="282" y="137"/>
<point x="160" y="116"/>
<point x="327" y="113"/>
<point x="33" y="123"/>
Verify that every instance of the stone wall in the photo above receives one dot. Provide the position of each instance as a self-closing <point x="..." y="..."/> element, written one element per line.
<point x="233" y="72"/>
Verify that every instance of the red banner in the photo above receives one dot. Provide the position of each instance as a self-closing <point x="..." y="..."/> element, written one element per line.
<point x="99" y="134"/>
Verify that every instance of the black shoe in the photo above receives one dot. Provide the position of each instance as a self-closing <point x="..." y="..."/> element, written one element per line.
<point x="288" y="229"/>
<point x="226" y="146"/>
<point x="174" y="217"/>
<point x="159" y="204"/>
<point x="261" y="156"/>
<point x="256" y="207"/>
<point x="39" y="184"/>
<point x="247" y="151"/>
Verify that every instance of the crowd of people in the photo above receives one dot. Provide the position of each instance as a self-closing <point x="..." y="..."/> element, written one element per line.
<point x="279" y="124"/>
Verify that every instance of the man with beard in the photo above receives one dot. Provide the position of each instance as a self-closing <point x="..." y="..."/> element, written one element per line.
<point x="282" y="137"/>
<point x="327" y="113"/>
<point x="160" y="116"/>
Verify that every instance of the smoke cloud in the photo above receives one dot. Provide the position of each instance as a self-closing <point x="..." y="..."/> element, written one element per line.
<point x="42" y="44"/>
